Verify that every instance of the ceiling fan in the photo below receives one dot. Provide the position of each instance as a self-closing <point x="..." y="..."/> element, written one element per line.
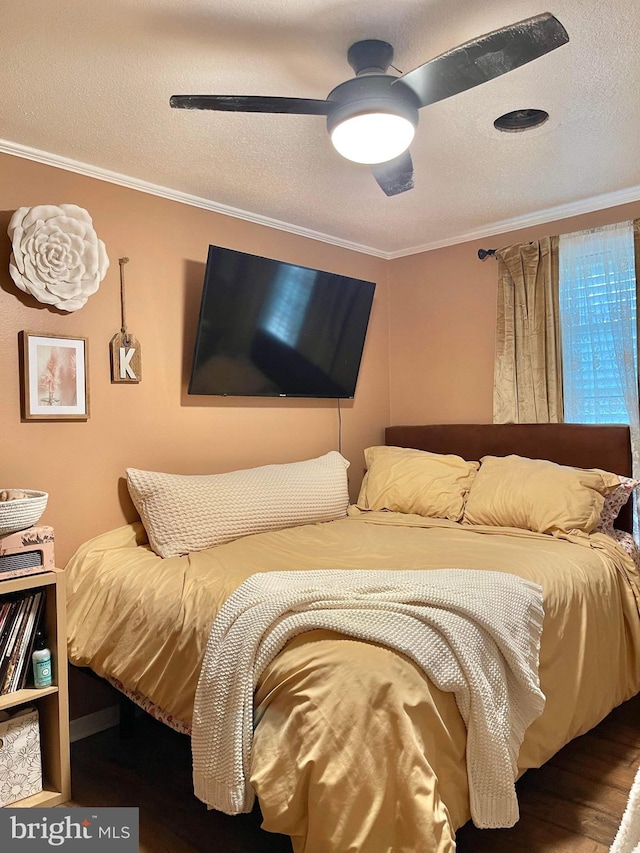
<point x="372" y="117"/>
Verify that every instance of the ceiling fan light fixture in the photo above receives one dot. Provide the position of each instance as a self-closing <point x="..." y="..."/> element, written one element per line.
<point x="373" y="137"/>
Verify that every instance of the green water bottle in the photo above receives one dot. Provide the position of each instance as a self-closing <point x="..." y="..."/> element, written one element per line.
<point x="42" y="672"/>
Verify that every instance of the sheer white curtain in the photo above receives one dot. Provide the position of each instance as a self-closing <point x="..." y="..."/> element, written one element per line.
<point x="599" y="330"/>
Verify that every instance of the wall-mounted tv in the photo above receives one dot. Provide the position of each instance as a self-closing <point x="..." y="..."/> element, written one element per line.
<point x="273" y="329"/>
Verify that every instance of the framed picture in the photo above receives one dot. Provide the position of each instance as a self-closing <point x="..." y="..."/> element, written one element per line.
<point x="55" y="384"/>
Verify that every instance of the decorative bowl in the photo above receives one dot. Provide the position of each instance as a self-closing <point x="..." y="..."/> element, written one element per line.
<point x="20" y="513"/>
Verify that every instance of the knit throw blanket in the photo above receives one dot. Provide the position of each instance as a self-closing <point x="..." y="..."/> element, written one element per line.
<point x="474" y="633"/>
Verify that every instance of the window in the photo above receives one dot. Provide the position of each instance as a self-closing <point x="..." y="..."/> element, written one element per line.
<point x="599" y="332"/>
<point x="598" y="323"/>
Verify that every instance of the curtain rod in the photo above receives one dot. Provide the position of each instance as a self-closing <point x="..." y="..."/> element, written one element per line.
<point x="483" y="253"/>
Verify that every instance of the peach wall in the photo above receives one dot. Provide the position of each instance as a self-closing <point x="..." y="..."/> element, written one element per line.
<point x="442" y="324"/>
<point x="430" y="341"/>
<point x="155" y="424"/>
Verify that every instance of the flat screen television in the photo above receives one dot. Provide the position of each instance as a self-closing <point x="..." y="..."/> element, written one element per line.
<point x="273" y="329"/>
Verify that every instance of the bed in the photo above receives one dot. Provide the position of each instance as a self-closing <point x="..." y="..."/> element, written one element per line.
<point x="354" y="748"/>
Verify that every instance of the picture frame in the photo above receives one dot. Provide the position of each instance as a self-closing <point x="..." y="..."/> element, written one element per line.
<point x="54" y="377"/>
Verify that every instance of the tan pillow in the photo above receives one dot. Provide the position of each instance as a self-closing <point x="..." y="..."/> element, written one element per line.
<point x="402" y="479"/>
<point x="183" y="513"/>
<point x="534" y="494"/>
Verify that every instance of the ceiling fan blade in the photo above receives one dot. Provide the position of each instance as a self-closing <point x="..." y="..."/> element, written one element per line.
<point x="485" y="58"/>
<point x="251" y="104"/>
<point x="395" y="176"/>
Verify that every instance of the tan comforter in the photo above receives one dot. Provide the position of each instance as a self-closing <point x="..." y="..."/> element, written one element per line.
<point x="355" y="750"/>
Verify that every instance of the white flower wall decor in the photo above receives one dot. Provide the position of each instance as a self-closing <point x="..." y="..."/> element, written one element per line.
<point x="57" y="256"/>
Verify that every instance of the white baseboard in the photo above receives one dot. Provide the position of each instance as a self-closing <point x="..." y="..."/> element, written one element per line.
<point x="91" y="724"/>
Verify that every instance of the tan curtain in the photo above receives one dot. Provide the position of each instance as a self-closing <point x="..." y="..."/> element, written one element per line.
<point x="528" y="365"/>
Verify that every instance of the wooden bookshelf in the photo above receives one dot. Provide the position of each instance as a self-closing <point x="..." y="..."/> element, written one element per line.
<point x="52" y="702"/>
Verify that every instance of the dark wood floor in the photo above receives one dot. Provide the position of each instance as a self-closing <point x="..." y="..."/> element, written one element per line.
<point x="574" y="803"/>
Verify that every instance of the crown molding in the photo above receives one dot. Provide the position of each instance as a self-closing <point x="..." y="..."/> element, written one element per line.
<point x="27" y="153"/>
<point x="540" y="217"/>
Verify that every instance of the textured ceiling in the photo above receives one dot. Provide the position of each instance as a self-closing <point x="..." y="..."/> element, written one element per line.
<point x="91" y="82"/>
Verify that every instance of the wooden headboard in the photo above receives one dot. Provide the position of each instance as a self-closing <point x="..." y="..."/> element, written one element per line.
<point x="580" y="445"/>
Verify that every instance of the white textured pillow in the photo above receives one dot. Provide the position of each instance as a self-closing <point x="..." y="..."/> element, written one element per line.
<point x="183" y="513"/>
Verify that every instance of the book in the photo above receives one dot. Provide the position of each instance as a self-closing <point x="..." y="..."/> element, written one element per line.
<point x="17" y="643"/>
<point x="23" y="663"/>
<point x="10" y="616"/>
<point x="5" y="608"/>
<point x="20" y="616"/>
<point x="12" y="637"/>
